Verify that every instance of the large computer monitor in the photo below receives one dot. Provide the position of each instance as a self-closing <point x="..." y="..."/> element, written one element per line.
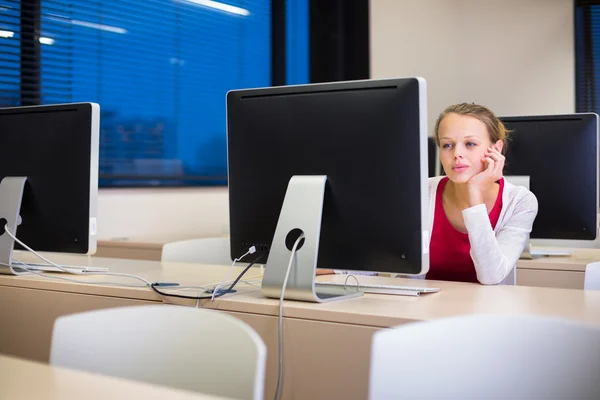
<point x="559" y="154"/>
<point x="369" y="139"/>
<point x="433" y="155"/>
<point x="49" y="178"/>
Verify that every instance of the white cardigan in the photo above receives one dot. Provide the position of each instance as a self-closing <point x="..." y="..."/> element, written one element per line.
<point x="495" y="252"/>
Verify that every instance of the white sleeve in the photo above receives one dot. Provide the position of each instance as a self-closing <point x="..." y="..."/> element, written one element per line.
<point x="495" y="254"/>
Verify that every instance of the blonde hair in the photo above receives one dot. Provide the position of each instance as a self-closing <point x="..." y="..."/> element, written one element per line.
<point x="495" y="127"/>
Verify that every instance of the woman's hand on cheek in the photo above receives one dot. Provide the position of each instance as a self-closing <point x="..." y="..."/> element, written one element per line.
<point x="493" y="162"/>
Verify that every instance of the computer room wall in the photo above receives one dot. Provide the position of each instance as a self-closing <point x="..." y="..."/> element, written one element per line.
<point x="515" y="56"/>
<point x="163" y="214"/>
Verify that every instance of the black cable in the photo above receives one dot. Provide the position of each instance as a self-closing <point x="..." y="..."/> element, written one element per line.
<point x="221" y="292"/>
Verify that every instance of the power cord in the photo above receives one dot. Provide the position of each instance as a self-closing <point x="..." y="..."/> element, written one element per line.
<point x="147" y="282"/>
<point x="280" y="319"/>
<point x="223" y="292"/>
<point x="251" y="250"/>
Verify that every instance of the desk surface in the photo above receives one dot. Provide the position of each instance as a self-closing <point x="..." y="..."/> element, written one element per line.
<point x="314" y="334"/>
<point x="369" y="310"/>
<point x="573" y="262"/>
<point x="22" y="379"/>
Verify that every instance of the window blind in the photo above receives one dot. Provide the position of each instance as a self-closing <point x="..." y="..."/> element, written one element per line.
<point x="160" y="70"/>
<point x="10" y="53"/>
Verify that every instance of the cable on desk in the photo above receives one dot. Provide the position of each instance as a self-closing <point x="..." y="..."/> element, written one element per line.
<point x="251" y="250"/>
<point x="29" y="270"/>
<point x="280" y="320"/>
<point x="154" y="286"/>
<point x="355" y="278"/>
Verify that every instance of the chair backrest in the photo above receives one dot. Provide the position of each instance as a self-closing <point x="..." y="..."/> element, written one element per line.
<point x="592" y="276"/>
<point x="511" y="278"/>
<point x="485" y="356"/>
<point x="201" y="251"/>
<point x="183" y="347"/>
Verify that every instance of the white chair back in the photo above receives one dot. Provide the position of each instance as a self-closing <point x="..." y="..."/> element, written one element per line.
<point x="486" y="356"/>
<point x="199" y="251"/>
<point x="592" y="276"/>
<point x="183" y="347"/>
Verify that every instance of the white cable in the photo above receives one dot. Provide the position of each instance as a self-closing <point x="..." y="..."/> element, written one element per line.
<point x="280" y="320"/>
<point x="251" y="250"/>
<point x="66" y="269"/>
<point x="29" y="270"/>
<point x="255" y="278"/>
<point x="256" y="284"/>
<point x="62" y="278"/>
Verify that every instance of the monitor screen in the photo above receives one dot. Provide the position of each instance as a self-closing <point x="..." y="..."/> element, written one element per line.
<point x="56" y="148"/>
<point x="368" y="137"/>
<point x="559" y="153"/>
<point x="434" y="164"/>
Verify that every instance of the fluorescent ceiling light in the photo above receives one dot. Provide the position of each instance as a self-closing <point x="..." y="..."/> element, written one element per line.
<point x="102" y="27"/>
<point x="221" y="6"/>
<point x="46" y="40"/>
<point x="93" y="25"/>
<point x="9" y="34"/>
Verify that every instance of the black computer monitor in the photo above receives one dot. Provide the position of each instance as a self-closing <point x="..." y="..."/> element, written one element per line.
<point x="559" y="153"/>
<point x="55" y="147"/>
<point x="434" y="164"/>
<point x="369" y="138"/>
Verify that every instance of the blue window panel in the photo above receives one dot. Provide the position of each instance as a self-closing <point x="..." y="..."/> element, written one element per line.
<point x="160" y="79"/>
<point x="297" y="42"/>
<point x="10" y="53"/>
<point x="160" y="70"/>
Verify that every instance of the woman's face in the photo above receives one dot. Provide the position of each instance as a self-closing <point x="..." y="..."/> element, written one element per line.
<point x="463" y="143"/>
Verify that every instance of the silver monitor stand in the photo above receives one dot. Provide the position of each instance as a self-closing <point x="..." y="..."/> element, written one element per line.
<point x="301" y="212"/>
<point x="11" y="194"/>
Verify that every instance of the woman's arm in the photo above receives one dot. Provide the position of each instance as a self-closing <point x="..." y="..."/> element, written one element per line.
<point x="495" y="254"/>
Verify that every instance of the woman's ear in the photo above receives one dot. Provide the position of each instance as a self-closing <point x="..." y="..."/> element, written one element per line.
<point x="498" y="145"/>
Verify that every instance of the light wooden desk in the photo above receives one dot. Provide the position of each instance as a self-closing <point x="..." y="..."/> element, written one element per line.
<point x="22" y="379"/>
<point x="558" y="272"/>
<point x="326" y="346"/>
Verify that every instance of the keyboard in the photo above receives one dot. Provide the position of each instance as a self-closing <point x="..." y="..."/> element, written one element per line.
<point x="550" y="252"/>
<point x="42" y="267"/>
<point x="382" y="289"/>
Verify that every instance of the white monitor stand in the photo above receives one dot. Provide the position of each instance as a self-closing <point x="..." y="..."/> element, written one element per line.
<point x="301" y="212"/>
<point x="11" y="194"/>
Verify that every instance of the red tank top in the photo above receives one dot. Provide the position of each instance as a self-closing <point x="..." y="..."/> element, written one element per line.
<point x="449" y="249"/>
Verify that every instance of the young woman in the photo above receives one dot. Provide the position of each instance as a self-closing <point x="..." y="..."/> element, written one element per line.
<point x="480" y="223"/>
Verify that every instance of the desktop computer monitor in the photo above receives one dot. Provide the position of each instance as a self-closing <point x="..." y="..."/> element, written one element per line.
<point x="433" y="155"/>
<point x="344" y="162"/>
<point x="49" y="178"/>
<point x="559" y="154"/>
